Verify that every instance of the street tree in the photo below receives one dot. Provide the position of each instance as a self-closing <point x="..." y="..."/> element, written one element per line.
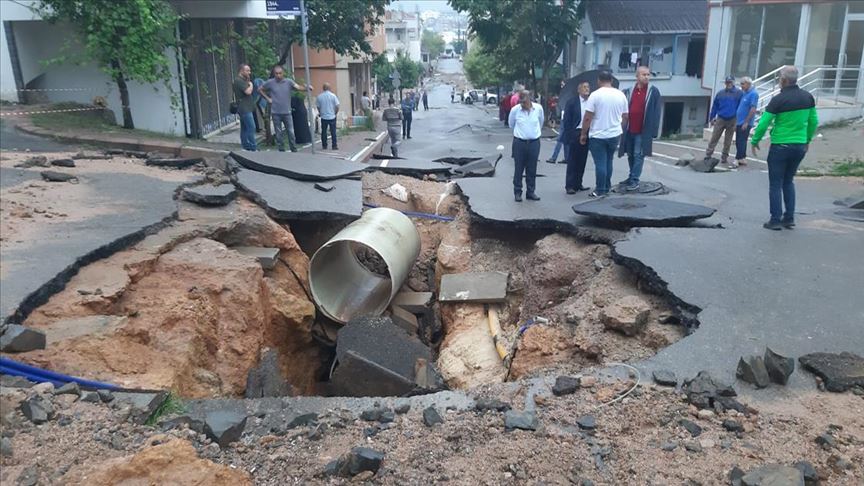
<point x="432" y="43"/>
<point x="483" y="69"/>
<point x="341" y="25"/>
<point x="459" y="46"/>
<point x="127" y="40"/>
<point x="529" y="35"/>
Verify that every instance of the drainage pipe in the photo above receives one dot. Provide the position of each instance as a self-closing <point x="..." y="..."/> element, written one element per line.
<point x="38" y="375"/>
<point x="342" y="287"/>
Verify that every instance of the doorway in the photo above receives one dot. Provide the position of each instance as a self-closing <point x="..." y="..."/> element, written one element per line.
<point x="673" y="111"/>
<point x="850" y="62"/>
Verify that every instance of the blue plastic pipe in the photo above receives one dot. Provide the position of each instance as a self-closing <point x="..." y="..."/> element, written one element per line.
<point x="38" y="375"/>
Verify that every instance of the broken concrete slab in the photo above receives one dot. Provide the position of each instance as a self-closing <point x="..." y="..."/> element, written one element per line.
<point x="851" y="214"/>
<point x="855" y="201"/>
<point x="477" y="168"/>
<point x="642" y="211"/>
<point x="839" y="371"/>
<point x="285" y="198"/>
<point x="773" y="475"/>
<point x="565" y="385"/>
<point x="54" y="176"/>
<point x="404" y="319"/>
<point x="209" y="195"/>
<point x="20" y="339"/>
<point x="628" y="315"/>
<point x="298" y="166"/>
<point x="514" y="419"/>
<point x="267" y="257"/>
<point x="34" y="161"/>
<point x="376" y="358"/>
<point x="706" y="164"/>
<point x="665" y="378"/>
<point x="431" y="417"/>
<point x="141" y="405"/>
<point x="408" y="167"/>
<point x="779" y="367"/>
<point x="481" y="287"/>
<point x="63" y="163"/>
<point x="414" y="302"/>
<point x="266" y="380"/>
<point x="159" y="160"/>
<point x="90" y="155"/>
<point x="224" y="426"/>
<point x="71" y="388"/>
<point x="753" y="371"/>
<point x="37" y="409"/>
<point x="359" y="460"/>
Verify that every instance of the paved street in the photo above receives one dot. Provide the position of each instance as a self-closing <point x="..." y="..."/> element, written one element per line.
<point x="794" y="291"/>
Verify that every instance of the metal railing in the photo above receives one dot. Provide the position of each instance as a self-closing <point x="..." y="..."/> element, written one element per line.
<point x="827" y="84"/>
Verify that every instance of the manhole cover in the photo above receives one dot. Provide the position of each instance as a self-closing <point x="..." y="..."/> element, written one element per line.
<point x="646" y="188"/>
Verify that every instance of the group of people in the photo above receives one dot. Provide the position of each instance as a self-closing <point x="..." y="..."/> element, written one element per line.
<point x="594" y="122"/>
<point x="608" y="120"/>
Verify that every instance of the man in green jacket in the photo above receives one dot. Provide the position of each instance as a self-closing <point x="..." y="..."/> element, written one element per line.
<point x="793" y="114"/>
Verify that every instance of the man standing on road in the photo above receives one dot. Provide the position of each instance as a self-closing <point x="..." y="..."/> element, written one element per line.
<point x="577" y="153"/>
<point x="393" y="117"/>
<point x="277" y="91"/>
<point x="526" y="118"/>
<point x="366" y="103"/>
<point x="793" y="115"/>
<point x="452" y="94"/>
<point x="722" y="118"/>
<point x="245" y="107"/>
<point x="643" y="125"/>
<point x="425" y="101"/>
<point x="407" y="109"/>
<point x="605" y="118"/>
<point x="328" y="105"/>
<point x="744" y="120"/>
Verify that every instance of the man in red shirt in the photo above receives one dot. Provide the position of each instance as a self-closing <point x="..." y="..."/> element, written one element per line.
<point x="643" y="126"/>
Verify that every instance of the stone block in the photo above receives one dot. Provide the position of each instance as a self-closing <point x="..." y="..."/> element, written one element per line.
<point x="404" y="319"/>
<point x="19" y="339"/>
<point x="414" y="302"/>
<point x="481" y="287"/>
<point x="267" y="257"/>
<point x="224" y="426"/>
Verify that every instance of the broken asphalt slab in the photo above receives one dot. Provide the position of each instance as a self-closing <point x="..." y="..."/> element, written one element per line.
<point x="839" y="372"/>
<point x="285" y="198"/>
<point x="638" y="211"/>
<point x="131" y="206"/>
<point x="410" y="167"/>
<point x="210" y="195"/>
<point x="297" y="165"/>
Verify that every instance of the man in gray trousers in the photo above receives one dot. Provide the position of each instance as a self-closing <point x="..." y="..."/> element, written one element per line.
<point x="277" y="91"/>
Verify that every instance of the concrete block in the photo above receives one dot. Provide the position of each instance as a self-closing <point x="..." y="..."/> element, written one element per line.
<point x="267" y="257"/>
<point x="404" y="319"/>
<point x="414" y="302"/>
<point x="473" y="287"/>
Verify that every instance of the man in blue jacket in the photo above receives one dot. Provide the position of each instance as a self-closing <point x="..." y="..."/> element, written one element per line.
<point x="643" y="126"/>
<point x="571" y="127"/>
<point x="723" y="116"/>
<point x="407" y="112"/>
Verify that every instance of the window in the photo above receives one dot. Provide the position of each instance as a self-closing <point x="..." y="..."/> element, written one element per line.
<point x="640" y="45"/>
<point x="694" y="111"/>
<point x="763" y="38"/>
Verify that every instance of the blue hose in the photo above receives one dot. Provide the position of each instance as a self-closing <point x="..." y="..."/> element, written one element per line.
<point x="38" y="375"/>
<point x="415" y="214"/>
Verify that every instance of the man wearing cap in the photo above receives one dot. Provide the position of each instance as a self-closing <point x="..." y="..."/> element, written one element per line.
<point x="722" y="117"/>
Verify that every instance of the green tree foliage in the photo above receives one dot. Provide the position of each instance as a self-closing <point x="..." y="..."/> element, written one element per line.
<point x="459" y="46"/>
<point x="381" y="69"/>
<point x="432" y="43"/>
<point x="522" y="33"/>
<point x="341" y="25"/>
<point x="409" y="71"/>
<point x="483" y="69"/>
<point x="127" y="40"/>
<point x="258" y="47"/>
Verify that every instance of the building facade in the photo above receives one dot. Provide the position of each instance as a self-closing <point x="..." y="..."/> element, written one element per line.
<point x="667" y="36"/>
<point x="823" y="38"/>
<point x="402" y="31"/>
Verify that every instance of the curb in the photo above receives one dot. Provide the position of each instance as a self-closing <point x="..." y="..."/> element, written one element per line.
<point x="176" y="149"/>
<point x="366" y="153"/>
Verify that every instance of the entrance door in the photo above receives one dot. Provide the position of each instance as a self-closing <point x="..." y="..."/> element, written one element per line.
<point x="673" y="112"/>
<point x="850" y="62"/>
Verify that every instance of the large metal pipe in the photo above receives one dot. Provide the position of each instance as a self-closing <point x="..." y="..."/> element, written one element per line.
<point x="342" y="286"/>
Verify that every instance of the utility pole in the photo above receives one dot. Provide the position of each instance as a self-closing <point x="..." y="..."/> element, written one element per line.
<point x="304" y="23"/>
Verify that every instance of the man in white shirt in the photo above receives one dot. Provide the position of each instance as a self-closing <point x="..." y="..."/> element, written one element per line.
<point x="526" y="118"/>
<point x="606" y="113"/>
<point x="328" y="106"/>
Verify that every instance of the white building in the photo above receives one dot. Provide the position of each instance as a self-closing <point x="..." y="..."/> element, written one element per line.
<point x="823" y="38"/>
<point x="195" y="103"/>
<point x="668" y="36"/>
<point x="403" y="34"/>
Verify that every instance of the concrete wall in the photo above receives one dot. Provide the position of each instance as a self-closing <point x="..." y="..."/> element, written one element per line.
<point x="38" y="41"/>
<point x="9" y="12"/>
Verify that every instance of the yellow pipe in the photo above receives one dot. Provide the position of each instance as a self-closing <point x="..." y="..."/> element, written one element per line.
<point x="495" y="331"/>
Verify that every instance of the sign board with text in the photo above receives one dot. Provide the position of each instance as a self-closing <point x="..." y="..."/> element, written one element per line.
<point x="282" y="8"/>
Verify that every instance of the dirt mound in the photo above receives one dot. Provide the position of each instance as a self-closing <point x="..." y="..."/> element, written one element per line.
<point x="190" y="316"/>
<point x="175" y="462"/>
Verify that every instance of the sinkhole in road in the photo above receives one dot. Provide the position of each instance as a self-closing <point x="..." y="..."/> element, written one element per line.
<point x="190" y="310"/>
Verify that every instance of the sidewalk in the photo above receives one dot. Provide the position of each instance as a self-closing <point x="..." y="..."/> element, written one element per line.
<point x="353" y="145"/>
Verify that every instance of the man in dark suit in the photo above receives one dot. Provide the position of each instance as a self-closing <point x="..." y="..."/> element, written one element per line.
<point x="571" y="128"/>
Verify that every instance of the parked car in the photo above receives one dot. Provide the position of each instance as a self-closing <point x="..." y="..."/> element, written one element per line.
<point x="491" y="98"/>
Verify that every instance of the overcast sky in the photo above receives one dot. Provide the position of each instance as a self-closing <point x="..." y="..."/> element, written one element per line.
<point x="409" y="5"/>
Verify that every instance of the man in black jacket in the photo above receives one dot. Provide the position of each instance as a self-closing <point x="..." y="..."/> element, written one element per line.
<point x="645" y="104"/>
<point x="577" y="153"/>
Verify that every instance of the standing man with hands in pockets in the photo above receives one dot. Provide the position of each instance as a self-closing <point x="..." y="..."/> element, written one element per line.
<point x="606" y="114"/>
